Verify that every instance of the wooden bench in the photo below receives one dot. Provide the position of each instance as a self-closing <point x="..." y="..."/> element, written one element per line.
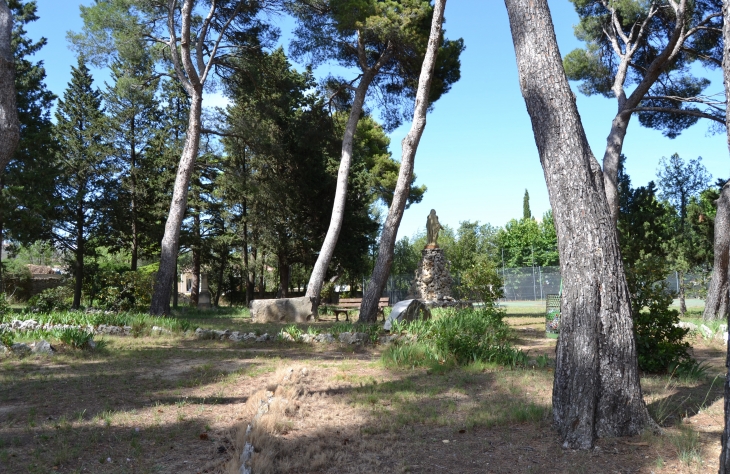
<point x="350" y="304"/>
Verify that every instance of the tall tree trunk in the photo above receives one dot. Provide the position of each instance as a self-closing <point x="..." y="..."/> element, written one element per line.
<point x="284" y="272"/>
<point x="79" y="263"/>
<point x="9" y="125"/>
<point x="381" y="270"/>
<point x="175" y="287"/>
<point x="262" y="279"/>
<point x="195" y="289"/>
<point x="171" y="239"/>
<point x="612" y="158"/>
<point x="2" y="239"/>
<point x="221" y="275"/>
<point x="717" y="293"/>
<point x="133" y="203"/>
<point x="596" y="390"/>
<point x="682" y="294"/>
<point x="725" y="439"/>
<point x="338" y="208"/>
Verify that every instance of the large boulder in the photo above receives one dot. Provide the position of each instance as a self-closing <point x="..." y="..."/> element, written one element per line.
<point x="292" y="310"/>
<point x="407" y="310"/>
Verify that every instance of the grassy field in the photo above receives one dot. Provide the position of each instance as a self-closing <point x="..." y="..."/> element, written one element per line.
<point x="171" y="403"/>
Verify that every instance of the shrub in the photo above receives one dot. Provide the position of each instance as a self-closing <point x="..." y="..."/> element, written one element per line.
<point x="52" y="299"/>
<point x="7" y="337"/>
<point x="76" y="338"/>
<point x="482" y="281"/>
<point x="125" y="291"/>
<point x="4" y="307"/>
<point x="659" y="343"/>
<point x="467" y="336"/>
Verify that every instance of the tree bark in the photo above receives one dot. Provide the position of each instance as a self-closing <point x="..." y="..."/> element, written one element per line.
<point x="611" y="160"/>
<point x="319" y="271"/>
<point x="175" y="287"/>
<point x="284" y="272"/>
<point x="171" y="239"/>
<point x="133" y="203"/>
<point x="596" y="390"/>
<point x="9" y="125"/>
<point x="262" y="279"/>
<point x="79" y="263"/>
<point x="725" y="439"/>
<point x="682" y="295"/>
<point x="381" y="270"/>
<point x="221" y="275"/>
<point x="195" y="288"/>
<point x="717" y="293"/>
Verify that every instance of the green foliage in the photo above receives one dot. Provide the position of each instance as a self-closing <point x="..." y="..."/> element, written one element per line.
<point x="526" y="212"/>
<point x="659" y="343"/>
<point x="469" y="335"/>
<point x="326" y="31"/>
<point x="292" y="330"/>
<point x="483" y="281"/>
<point x="526" y="242"/>
<point x="76" y="338"/>
<point x="52" y="299"/>
<point x="598" y="64"/>
<point x="4" y="307"/>
<point x="679" y="181"/>
<point x="7" y="337"/>
<point x="646" y="234"/>
<point x="28" y="198"/>
<point x="124" y="291"/>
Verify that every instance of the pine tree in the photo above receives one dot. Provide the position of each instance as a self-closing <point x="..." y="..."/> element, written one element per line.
<point x="133" y="118"/>
<point x="83" y="162"/>
<point x="27" y="194"/>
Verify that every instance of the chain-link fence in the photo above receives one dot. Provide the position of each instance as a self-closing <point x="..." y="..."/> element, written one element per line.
<point x="535" y="283"/>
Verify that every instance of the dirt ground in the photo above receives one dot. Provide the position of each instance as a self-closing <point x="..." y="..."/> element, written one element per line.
<point x="172" y="404"/>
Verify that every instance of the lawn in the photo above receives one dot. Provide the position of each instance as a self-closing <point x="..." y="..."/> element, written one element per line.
<point x="172" y="403"/>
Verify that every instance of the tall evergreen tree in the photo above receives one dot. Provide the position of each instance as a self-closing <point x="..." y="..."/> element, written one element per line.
<point x="27" y="188"/>
<point x="82" y="161"/>
<point x="133" y="119"/>
<point x="526" y="212"/>
<point x="9" y="127"/>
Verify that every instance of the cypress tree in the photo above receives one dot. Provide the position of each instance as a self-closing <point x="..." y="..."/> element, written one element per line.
<point x="526" y="212"/>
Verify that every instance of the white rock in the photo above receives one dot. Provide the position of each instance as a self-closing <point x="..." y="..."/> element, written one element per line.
<point x="263" y="338"/>
<point x="20" y="348"/>
<point x="706" y="332"/>
<point x="326" y="338"/>
<point x="686" y="325"/>
<point x="42" y="347"/>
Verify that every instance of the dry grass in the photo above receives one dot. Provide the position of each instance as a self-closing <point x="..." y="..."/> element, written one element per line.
<point x="144" y="405"/>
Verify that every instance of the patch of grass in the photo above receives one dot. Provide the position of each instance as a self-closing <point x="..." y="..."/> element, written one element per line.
<point x="76" y="338"/>
<point x="459" y="337"/>
<point x="690" y="371"/>
<point x="687" y="444"/>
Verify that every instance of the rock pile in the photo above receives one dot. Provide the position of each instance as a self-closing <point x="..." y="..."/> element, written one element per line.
<point x="433" y="280"/>
<point x="33" y="325"/>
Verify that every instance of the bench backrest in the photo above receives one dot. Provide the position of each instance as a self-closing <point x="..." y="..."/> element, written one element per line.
<point x="384" y="299"/>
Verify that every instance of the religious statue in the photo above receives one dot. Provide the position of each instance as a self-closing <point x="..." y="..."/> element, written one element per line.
<point x="432" y="229"/>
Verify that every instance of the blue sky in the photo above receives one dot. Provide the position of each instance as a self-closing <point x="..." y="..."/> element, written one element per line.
<point x="477" y="155"/>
